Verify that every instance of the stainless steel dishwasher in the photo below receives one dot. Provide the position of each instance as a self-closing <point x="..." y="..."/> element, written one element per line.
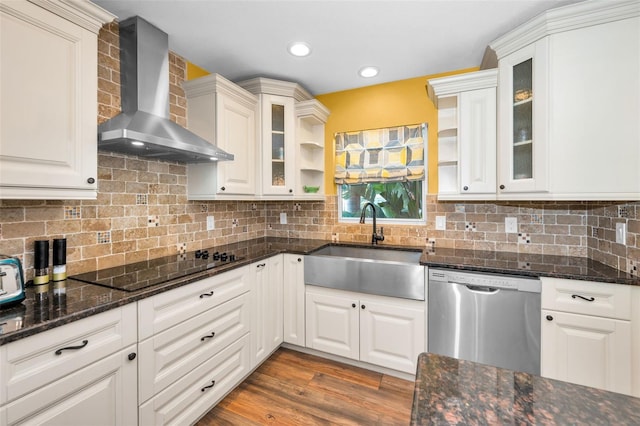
<point x="488" y="318"/>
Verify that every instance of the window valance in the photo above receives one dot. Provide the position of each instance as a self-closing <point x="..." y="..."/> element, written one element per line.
<point x="381" y="155"/>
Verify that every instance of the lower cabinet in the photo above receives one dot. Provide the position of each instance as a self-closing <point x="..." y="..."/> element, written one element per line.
<point x="384" y="331"/>
<point x="267" y="281"/>
<point x="293" y="314"/>
<point x="586" y="334"/>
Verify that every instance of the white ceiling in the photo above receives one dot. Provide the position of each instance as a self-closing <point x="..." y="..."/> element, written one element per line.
<point x="240" y="39"/>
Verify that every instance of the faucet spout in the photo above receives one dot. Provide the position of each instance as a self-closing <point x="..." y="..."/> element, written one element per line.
<point x="375" y="237"/>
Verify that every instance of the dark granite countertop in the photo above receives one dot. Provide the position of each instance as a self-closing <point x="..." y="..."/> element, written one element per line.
<point x="82" y="300"/>
<point x="449" y="391"/>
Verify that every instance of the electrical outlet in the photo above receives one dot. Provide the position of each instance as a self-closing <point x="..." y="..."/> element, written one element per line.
<point x="211" y="223"/>
<point x="283" y="218"/>
<point x="441" y="223"/>
<point x="621" y="233"/>
<point x="511" y="225"/>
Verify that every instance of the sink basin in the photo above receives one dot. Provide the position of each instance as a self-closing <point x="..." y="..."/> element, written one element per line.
<point x="385" y="272"/>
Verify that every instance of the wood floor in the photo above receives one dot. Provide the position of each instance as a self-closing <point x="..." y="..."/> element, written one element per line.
<point x="292" y="388"/>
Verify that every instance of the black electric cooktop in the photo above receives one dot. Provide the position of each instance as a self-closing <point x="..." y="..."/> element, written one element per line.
<point x="141" y="275"/>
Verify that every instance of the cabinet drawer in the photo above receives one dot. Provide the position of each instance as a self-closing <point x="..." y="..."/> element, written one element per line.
<point x="33" y="362"/>
<point x="163" y="311"/>
<point x="587" y="297"/>
<point x="190" y="397"/>
<point x="170" y="355"/>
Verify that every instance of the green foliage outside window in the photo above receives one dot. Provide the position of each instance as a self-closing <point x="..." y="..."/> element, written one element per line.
<point x="393" y="200"/>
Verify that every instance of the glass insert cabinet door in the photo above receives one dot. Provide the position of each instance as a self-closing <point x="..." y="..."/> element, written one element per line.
<point x="523" y="120"/>
<point x="278" y="118"/>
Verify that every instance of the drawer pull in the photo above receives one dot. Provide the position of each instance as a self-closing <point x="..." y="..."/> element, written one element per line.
<point x="202" y="296"/>
<point x="68" y="348"/>
<point x="261" y="265"/>
<point x="213" y="383"/>
<point x="208" y="336"/>
<point x="591" y="299"/>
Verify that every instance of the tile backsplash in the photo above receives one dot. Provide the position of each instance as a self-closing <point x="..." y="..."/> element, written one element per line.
<point x="142" y="211"/>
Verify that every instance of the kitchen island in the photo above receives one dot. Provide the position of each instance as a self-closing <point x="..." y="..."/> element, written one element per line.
<point x="452" y="391"/>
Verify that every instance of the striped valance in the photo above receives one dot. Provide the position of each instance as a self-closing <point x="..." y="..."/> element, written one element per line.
<point x="381" y="155"/>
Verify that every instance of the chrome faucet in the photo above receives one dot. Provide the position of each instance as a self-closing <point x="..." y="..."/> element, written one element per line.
<point x="374" y="236"/>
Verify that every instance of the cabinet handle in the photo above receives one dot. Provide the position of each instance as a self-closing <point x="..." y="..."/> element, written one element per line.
<point x="91" y="180"/>
<point x="223" y="188"/>
<point x="549" y="318"/>
<point x="363" y="306"/>
<point x="261" y="265"/>
<point x="213" y="383"/>
<point x="84" y="343"/>
<point x="202" y="296"/>
<point x="501" y="186"/>
<point x="208" y="336"/>
<point x="299" y="260"/>
<point x="132" y="356"/>
<point x="466" y="188"/>
<point x="591" y="299"/>
<point x="353" y="305"/>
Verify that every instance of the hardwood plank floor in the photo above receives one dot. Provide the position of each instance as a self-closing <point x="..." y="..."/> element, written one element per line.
<point x="293" y="388"/>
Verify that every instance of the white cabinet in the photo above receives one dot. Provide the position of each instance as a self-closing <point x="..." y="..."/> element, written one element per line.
<point x="552" y="143"/>
<point x="311" y="117"/>
<point x="48" y="99"/>
<point x="85" y="369"/>
<point x="384" y="331"/>
<point x="277" y="123"/>
<point x="293" y="299"/>
<point x="267" y="281"/>
<point x="586" y="334"/>
<point x="466" y="135"/>
<point x="224" y="114"/>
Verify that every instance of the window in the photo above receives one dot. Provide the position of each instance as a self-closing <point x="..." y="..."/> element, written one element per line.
<point x="384" y="167"/>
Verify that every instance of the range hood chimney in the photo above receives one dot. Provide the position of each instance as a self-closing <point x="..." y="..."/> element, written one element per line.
<point x="143" y="128"/>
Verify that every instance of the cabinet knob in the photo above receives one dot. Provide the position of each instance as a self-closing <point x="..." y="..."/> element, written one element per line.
<point x="363" y="306"/>
<point x="466" y="188"/>
<point x="501" y="186"/>
<point x="131" y="356"/>
<point x="290" y="191"/>
<point x="549" y="318"/>
<point x="353" y="305"/>
<point x="91" y="180"/>
<point x="299" y="259"/>
<point x="223" y="188"/>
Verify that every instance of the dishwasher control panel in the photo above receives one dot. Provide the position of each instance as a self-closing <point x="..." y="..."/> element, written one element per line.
<point x="479" y="279"/>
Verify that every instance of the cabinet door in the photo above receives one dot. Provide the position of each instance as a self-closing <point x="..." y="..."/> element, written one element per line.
<point x="278" y="150"/>
<point x="586" y="350"/>
<point x="236" y="134"/>
<point x="392" y="334"/>
<point x="293" y="305"/>
<point x="103" y="393"/>
<point x="267" y="312"/>
<point x="332" y="323"/>
<point x="48" y="137"/>
<point x="477" y="137"/>
<point x="522" y="141"/>
<point x="273" y="308"/>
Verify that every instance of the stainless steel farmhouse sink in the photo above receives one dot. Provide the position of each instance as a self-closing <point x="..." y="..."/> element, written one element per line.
<point x="384" y="272"/>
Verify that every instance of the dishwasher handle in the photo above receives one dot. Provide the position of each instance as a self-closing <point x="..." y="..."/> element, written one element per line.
<point x="481" y="289"/>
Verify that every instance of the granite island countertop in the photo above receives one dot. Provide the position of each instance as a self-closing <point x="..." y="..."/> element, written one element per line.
<point x="449" y="391"/>
<point x="81" y="300"/>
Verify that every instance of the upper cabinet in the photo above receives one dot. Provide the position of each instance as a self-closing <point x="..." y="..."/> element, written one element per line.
<point x="224" y="114"/>
<point x="466" y="135"/>
<point x="292" y="139"/>
<point x="48" y="99"/>
<point x="568" y="104"/>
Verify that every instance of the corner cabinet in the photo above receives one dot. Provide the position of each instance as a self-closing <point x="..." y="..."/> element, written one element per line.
<point x="291" y="144"/>
<point x="48" y="99"/>
<point x="466" y="135"/>
<point x="568" y="104"/>
<point x="225" y="115"/>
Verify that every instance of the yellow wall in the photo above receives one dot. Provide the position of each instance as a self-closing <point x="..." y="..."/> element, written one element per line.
<point x="194" y="71"/>
<point x="383" y="105"/>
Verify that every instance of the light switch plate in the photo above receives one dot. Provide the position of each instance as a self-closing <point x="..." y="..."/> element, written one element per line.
<point x="283" y="218"/>
<point x="621" y="233"/>
<point x="511" y="225"/>
<point x="211" y="223"/>
<point x="441" y="223"/>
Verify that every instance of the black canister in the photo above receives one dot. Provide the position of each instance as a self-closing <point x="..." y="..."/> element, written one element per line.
<point x="41" y="262"/>
<point x="59" y="259"/>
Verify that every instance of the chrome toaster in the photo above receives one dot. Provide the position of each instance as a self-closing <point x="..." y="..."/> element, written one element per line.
<point x="11" y="281"/>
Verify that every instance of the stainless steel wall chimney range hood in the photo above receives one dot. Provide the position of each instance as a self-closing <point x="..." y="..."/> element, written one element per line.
<point x="143" y="128"/>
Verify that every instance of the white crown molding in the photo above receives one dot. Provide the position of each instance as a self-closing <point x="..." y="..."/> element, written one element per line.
<point x="566" y="18"/>
<point x="312" y="108"/>
<point x="269" y="86"/>
<point x="81" y="12"/>
<point x="454" y="84"/>
<point x="215" y="83"/>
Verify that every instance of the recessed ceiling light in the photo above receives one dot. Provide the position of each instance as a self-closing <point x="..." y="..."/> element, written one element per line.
<point x="368" y="72"/>
<point x="137" y="143"/>
<point x="299" y="48"/>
